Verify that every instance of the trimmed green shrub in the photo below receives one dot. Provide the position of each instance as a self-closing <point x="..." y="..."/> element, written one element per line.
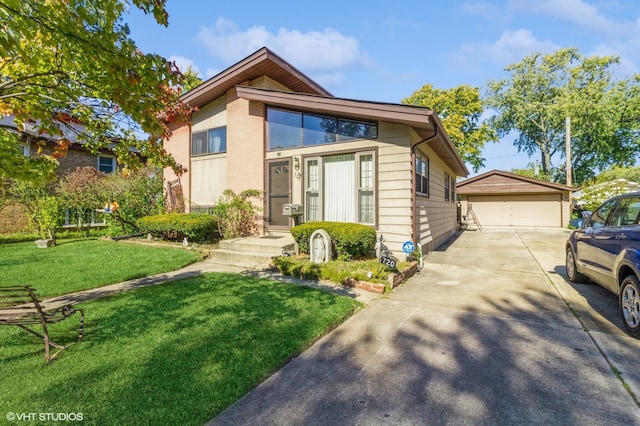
<point x="348" y="240"/>
<point x="336" y="271"/>
<point x="198" y="228"/>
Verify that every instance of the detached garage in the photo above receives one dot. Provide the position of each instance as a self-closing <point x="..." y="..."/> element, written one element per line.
<point x="500" y="198"/>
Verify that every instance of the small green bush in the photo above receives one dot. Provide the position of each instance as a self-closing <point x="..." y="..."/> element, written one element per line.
<point x="198" y="228"/>
<point x="298" y="267"/>
<point x="349" y="240"/>
<point x="238" y="216"/>
<point x="336" y="271"/>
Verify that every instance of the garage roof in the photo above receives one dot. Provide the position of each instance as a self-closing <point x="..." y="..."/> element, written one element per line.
<point x="499" y="182"/>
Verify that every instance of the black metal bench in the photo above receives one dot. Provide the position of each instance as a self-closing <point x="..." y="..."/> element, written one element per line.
<point x="19" y="306"/>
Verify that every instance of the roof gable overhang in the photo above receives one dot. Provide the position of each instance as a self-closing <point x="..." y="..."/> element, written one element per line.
<point x="422" y="120"/>
<point x="500" y="182"/>
<point x="262" y="62"/>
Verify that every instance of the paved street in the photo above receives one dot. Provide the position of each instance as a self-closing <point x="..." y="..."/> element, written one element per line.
<point x="489" y="333"/>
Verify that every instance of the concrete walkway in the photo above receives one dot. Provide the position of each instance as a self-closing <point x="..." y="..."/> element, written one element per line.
<point x="485" y="335"/>
<point x="199" y="268"/>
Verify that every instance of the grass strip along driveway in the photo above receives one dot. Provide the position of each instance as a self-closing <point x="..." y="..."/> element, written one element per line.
<point x="75" y="265"/>
<point x="176" y="353"/>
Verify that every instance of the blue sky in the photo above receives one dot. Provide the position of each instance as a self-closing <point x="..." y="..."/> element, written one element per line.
<point x="386" y="50"/>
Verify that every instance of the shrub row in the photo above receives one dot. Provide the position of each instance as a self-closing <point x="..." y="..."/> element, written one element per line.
<point x="196" y="227"/>
<point x="349" y="240"/>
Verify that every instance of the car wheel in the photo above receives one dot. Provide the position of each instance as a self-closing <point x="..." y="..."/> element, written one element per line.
<point x="572" y="269"/>
<point x="630" y="304"/>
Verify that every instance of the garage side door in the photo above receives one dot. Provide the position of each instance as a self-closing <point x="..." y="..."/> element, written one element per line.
<point x="517" y="210"/>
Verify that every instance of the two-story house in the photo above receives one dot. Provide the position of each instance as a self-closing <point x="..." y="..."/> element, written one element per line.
<point x="263" y="124"/>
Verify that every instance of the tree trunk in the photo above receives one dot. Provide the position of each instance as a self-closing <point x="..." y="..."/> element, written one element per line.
<point x="546" y="162"/>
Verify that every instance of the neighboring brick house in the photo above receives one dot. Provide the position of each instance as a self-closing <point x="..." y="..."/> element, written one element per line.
<point x="12" y="217"/>
<point x="262" y="124"/>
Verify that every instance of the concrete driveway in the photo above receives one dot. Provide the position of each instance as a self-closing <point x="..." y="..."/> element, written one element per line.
<point x="490" y="333"/>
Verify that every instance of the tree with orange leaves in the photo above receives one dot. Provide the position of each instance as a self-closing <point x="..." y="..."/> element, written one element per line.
<point x="72" y="61"/>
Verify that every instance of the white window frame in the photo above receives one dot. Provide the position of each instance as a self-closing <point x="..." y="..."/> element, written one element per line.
<point x="26" y="149"/>
<point x="357" y="189"/>
<point x="209" y="143"/>
<point x="420" y="159"/>
<point x="113" y="162"/>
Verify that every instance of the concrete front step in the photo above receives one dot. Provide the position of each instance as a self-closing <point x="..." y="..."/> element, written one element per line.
<point x="243" y="263"/>
<point x="252" y="252"/>
<point x="240" y="257"/>
<point x="272" y="245"/>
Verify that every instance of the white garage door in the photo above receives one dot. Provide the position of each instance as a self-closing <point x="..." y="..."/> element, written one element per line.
<point x="517" y="210"/>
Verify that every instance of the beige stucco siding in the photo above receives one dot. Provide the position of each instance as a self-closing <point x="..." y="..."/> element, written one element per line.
<point x="210" y="116"/>
<point x="265" y="82"/>
<point x="210" y="172"/>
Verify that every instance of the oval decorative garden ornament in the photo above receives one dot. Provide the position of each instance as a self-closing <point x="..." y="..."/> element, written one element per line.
<point x="320" y="246"/>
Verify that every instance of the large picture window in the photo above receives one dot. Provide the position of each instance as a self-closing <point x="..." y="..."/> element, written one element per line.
<point x="289" y="129"/>
<point x="212" y="141"/>
<point x="422" y="175"/>
<point x="340" y="188"/>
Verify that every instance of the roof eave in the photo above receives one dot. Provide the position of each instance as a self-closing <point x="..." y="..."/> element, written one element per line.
<point x="422" y="120"/>
<point x="553" y="185"/>
<point x="248" y="69"/>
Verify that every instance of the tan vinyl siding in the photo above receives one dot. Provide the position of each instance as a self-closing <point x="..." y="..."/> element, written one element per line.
<point x="394" y="186"/>
<point x="436" y="218"/>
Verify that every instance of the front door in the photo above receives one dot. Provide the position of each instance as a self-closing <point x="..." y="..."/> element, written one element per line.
<point x="278" y="193"/>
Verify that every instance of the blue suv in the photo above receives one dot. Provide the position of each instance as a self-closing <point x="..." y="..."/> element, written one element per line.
<point x="606" y="249"/>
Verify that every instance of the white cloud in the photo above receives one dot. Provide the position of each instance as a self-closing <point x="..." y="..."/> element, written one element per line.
<point x="511" y="47"/>
<point x="184" y="63"/>
<point x="577" y="12"/>
<point x="320" y="52"/>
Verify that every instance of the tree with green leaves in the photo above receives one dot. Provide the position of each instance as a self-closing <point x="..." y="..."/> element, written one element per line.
<point x="42" y="208"/>
<point x="615" y="173"/>
<point x="543" y="90"/>
<point x="81" y="193"/>
<point x="459" y="109"/>
<point x="533" y="171"/>
<point x="72" y="63"/>
<point x="191" y="80"/>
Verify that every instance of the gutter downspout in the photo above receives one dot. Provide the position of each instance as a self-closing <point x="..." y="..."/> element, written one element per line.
<point x="414" y="230"/>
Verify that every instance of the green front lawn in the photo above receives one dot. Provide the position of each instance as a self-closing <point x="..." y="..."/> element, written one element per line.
<point x="76" y="265"/>
<point x="174" y="354"/>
